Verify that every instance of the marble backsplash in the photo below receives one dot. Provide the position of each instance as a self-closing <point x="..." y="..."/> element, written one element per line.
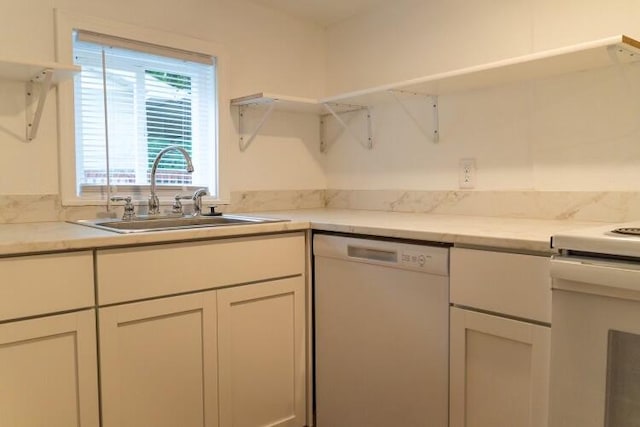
<point x="48" y="207"/>
<point x="610" y="206"/>
<point x="607" y="206"/>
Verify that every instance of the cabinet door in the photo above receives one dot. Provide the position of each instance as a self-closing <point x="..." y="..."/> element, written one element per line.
<point x="499" y="371"/>
<point x="262" y="354"/>
<point x="48" y="372"/>
<point x="158" y="362"/>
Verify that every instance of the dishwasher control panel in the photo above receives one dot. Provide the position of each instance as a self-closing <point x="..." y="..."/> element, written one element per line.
<point x="426" y="259"/>
<point x="414" y="258"/>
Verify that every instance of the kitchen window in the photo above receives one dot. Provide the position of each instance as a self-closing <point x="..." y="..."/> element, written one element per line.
<point x="131" y="101"/>
<point x="139" y="92"/>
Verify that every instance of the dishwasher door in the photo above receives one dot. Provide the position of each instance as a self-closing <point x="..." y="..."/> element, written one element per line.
<point x="381" y="333"/>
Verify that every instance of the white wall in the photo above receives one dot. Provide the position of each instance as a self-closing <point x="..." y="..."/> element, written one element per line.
<point x="577" y="132"/>
<point x="267" y="51"/>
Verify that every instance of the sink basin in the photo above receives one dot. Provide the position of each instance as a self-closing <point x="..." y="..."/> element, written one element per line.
<point x="155" y="223"/>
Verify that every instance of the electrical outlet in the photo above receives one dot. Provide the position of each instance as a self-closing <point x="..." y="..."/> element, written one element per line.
<point x="467" y="173"/>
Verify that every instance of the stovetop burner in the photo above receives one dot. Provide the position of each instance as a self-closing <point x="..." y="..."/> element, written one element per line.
<point x="634" y="231"/>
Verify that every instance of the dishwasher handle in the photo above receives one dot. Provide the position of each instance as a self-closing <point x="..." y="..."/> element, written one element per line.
<point x="373" y="254"/>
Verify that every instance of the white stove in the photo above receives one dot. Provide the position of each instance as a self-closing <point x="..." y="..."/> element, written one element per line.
<point x="625" y="241"/>
<point x="595" y="333"/>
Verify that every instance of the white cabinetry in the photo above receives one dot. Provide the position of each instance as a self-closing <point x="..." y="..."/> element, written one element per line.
<point x="499" y="371"/>
<point x="261" y="330"/>
<point x="189" y="354"/>
<point x="499" y="362"/>
<point x="158" y="362"/>
<point x="48" y="364"/>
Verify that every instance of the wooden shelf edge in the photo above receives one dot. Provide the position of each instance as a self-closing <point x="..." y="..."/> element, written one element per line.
<point x="631" y="42"/>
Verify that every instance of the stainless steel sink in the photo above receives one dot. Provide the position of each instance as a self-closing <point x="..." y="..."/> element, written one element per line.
<point x="155" y="223"/>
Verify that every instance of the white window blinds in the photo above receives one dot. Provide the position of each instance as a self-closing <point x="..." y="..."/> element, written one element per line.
<point x="134" y="99"/>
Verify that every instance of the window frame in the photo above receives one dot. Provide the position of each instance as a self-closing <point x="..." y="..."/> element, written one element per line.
<point x="66" y="23"/>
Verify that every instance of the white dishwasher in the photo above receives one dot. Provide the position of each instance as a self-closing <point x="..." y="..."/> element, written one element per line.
<point x="381" y="333"/>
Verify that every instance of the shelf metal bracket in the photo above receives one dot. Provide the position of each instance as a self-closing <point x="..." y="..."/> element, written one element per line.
<point x="434" y="134"/>
<point x="244" y="143"/>
<point x="325" y="145"/>
<point x="615" y="54"/>
<point x="38" y="87"/>
<point x="368" y="143"/>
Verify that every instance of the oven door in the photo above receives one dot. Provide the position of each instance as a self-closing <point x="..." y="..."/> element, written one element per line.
<point x="595" y="343"/>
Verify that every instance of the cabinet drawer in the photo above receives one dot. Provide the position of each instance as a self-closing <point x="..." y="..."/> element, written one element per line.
<point x="512" y="284"/>
<point x="129" y="274"/>
<point x="39" y="284"/>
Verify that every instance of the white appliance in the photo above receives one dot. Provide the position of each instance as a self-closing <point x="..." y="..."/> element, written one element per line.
<point x="595" y="334"/>
<point x="381" y="333"/>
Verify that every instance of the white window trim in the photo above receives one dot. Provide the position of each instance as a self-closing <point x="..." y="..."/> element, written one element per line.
<point x="66" y="22"/>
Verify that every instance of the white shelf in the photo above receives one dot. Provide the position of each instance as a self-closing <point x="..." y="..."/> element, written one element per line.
<point x="282" y="102"/>
<point x="580" y="57"/>
<point x="38" y="78"/>
<point x="288" y="103"/>
<point x="273" y="102"/>
<point x="20" y="70"/>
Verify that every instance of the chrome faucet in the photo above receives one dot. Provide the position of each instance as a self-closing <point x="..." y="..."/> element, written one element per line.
<point x="154" y="202"/>
<point x="197" y="200"/>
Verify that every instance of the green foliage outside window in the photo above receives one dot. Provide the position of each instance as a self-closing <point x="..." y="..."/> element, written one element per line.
<point x="169" y="120"/>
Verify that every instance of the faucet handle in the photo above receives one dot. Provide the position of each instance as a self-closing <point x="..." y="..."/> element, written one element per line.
<point x="129" y="208"/>
<point x="177" y="204"/>
<point x="197" y="200"/>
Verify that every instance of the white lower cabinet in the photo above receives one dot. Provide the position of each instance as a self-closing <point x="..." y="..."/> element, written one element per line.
<point x="158" y="362"/>
<point x="48" y="361"/>
<point x="499" y="366"/>
<point x="499" y="371"/>
<point x="190" y="334"/>
<point x="204" y="334"/>
<point x="160" y="367"/>
<point x="48" y="371"/>
<point x="261" y="347"/>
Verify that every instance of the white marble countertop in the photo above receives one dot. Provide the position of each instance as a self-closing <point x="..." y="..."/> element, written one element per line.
<point x="516" y="234"/>
<point x="505" y="233"/>
<point x="61" y="236"/>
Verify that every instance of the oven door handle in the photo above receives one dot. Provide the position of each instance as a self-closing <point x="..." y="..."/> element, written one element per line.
<point x="593" y="276"/>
